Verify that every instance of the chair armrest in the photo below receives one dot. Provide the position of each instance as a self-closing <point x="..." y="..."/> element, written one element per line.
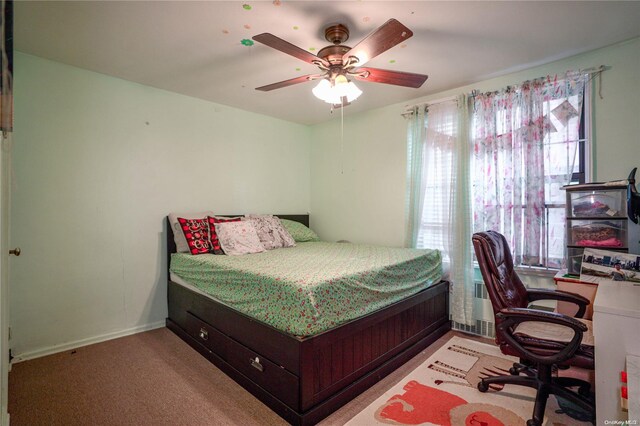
<point x="511" y="317"/>
<point x="563" y="296"/>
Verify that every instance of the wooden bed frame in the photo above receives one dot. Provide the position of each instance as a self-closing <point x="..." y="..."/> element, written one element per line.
<point x="306" y="379"/>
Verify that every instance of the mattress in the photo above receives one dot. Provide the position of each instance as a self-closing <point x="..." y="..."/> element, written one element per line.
<point x="314" y="286"/>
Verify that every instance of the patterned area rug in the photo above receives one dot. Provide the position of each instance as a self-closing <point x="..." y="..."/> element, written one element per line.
<point x="442" y="391"/>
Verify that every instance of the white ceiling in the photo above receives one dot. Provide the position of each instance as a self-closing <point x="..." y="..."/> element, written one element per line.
<point x="195" y="48"/>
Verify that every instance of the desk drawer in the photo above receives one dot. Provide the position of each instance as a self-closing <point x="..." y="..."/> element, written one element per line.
<point x="275" y="379"/>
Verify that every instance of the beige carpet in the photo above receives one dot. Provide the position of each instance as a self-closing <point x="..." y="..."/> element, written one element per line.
<point x="151" y="378"/>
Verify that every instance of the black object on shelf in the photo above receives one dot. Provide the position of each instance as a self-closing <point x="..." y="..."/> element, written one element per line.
<point x="633" y="198"/>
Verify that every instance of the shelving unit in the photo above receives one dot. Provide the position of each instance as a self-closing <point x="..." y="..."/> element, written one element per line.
<point x="596" y="218"/>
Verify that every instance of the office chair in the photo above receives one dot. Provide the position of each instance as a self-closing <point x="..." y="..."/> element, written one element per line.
<point x="544" y="341"/>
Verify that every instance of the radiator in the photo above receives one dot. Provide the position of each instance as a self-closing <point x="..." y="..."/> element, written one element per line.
<point x="483" y="313"/>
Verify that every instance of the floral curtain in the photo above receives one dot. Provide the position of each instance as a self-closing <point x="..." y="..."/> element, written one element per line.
<point x="525" y="140"/>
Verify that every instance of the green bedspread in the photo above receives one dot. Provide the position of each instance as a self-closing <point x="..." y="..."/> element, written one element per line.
<point x="314" y="286"/>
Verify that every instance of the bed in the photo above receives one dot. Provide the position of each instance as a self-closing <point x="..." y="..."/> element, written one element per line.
<point x="306" y="370"/>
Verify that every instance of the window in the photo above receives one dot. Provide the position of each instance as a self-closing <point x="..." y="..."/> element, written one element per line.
<point x="441" y="133"/>
<point x="555" y="197"/>
<point x="528" y="143"/>
<point x="496" y="161"/>
<point x="503" y="170"/>
<point x="434" y="230"/>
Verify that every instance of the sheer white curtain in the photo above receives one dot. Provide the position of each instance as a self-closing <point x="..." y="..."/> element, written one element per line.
<point x="415" y="167"/>
<point x="444" y="210"/>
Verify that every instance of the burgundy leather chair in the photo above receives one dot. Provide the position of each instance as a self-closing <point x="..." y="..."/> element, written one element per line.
<point x="544" y="341"/>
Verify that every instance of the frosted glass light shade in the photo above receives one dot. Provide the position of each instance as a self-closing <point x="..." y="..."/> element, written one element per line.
<point x="323" y="90"/>
<point x="333" y="94"/>
<point x="349" y="90"/>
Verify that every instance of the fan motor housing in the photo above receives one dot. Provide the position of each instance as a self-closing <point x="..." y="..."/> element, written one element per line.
<point x="336" y="34"/>
<point x="333" y="54"/>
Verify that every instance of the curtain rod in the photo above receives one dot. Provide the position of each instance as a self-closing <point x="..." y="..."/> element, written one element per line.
<point x="594" y="70"/>
<point x="589" y="71"/>
<point x="408" y="108"/>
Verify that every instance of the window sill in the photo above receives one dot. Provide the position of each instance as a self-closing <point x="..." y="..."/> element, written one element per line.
<point x="537" y="272"/>
<point x="528" y="271"/>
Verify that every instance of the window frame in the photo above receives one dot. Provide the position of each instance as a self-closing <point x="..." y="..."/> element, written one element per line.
<point x="582" y="176"/>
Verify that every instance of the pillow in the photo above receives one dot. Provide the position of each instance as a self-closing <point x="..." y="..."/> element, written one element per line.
<point x="238" y="237"/>
<point x="215" y="242"/>
<point x="196" y="234"/>
<point x="270" y="231"/>
<point x="298" y="231"/>
<point x="178" y="235"/>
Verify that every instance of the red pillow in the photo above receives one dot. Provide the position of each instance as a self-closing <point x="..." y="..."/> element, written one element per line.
<point x="196" y="232"/>
<point x="215" y="243"/>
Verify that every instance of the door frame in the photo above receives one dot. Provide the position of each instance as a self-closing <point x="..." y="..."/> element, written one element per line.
<point x="5" y="175"/>
<point x="6" y="140"/>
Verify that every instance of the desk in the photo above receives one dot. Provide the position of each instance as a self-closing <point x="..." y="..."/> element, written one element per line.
<point x="616" y="330"/>
<point x="574" y="285"/>
<point x="633" y="382"/>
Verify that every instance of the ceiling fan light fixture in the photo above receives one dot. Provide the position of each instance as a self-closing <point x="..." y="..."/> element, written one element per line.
<point x="340" y="80"/>
<point x="348" y="90"/>
<point x="333" y="93"/>
<point x="338" y="62"/>
<point x="322" y="90"/>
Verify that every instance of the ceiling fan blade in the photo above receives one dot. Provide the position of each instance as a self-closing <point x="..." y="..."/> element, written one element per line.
<point x="288" y="48"/>
<point x="286" y="83"/>
<point x="399" y="78"/>
<point x="380" y="40"/>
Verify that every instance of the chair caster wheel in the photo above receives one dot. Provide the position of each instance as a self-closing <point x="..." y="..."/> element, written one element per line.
<point x="482" y="386"/>
<point x="514" y="371"/>
<point x="532" y="422"/>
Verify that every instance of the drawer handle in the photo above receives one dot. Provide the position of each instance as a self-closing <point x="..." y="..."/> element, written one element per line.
<point x="255" y="363"/>
<point x="204" y="334"/>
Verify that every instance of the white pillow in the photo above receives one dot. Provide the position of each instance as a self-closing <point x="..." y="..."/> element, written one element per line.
<point x="270" y="231"/>
<point x="238" y="238"/>
<point x="178" y="236"/>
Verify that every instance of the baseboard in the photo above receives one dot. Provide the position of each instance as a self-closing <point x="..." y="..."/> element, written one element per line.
<point x="85" y="342"/>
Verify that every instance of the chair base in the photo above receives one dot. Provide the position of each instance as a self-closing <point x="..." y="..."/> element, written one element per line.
<point x="547" y="385"/>
<point x="524" y="366"/>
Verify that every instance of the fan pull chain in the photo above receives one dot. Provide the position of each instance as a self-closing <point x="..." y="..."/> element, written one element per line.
<point x="342" y="138"/>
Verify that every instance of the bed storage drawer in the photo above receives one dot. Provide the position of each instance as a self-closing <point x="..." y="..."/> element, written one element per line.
<point x="207" y="335"/>
<point x="275" y="379"/>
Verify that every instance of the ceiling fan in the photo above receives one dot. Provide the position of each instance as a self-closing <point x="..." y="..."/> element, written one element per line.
<point x="338" y="62"/>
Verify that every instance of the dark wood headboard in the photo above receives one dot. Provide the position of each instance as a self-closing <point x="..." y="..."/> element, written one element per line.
<point x="171" y="243"/>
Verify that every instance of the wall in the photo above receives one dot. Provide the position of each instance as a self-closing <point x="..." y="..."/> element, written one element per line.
<point x="98" y="163"/>
<point x="357" y="185"/>
<point x="367" y="202"/>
